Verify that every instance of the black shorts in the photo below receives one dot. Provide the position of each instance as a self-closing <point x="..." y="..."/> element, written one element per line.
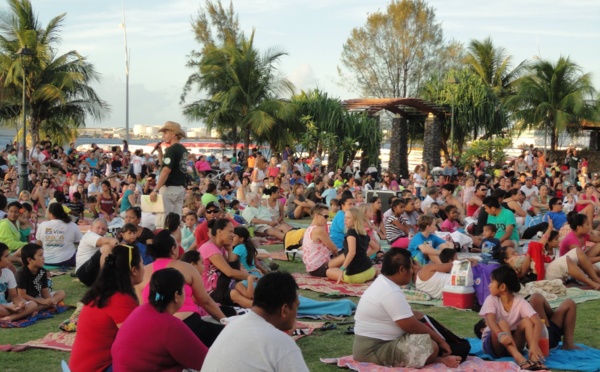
<point x="88" y="272"/>
<point x="206" y="332"/>
<point x="554" y="334"/>
<point x="321" y="272"/>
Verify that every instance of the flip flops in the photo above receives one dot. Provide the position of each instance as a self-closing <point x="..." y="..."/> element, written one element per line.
<point x="349" y="331"/>
<point x="334" y="294"/>
<point x="328" y="326"/>
<point x="530" y="365"/>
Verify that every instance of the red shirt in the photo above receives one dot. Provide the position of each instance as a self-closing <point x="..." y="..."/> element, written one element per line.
<point x="201" y="234"/>
<point x="96" y="331"/>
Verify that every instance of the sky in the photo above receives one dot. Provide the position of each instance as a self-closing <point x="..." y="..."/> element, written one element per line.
<point x="312" y="32"/>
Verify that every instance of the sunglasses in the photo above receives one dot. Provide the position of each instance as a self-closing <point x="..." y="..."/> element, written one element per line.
<point x="558" y="204"/>
<point x="213" y="211"/>
<point x="326" y="216"/>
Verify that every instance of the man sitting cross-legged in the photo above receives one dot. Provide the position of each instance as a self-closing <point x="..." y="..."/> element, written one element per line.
<point x="261" y="218"/>
<point x="388" y="332"/>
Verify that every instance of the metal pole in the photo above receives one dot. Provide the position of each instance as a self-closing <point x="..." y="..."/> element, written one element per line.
<point x="23" y="179"/>
<point x="126" y="75"/>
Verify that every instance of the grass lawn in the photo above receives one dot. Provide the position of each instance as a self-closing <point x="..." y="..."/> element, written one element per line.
<point x="319" y="345"/>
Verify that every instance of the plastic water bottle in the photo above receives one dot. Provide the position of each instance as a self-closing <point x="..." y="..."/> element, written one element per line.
<point x="544" y="343"/>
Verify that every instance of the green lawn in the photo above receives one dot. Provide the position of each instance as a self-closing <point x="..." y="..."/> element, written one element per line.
<point x="319" y="345"/>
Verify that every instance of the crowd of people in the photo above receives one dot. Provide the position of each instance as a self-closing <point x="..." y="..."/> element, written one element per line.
<point x="152" y="276"/>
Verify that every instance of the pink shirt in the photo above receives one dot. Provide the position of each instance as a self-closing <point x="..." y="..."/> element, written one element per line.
<point x="571" y="239"/>
<point x="146" y="342"/>
<point x="520" y="309"/>
<point x="210" y="272"/>
<point x="449" y="226"/>
<point x="188" y="302"/>
<point x="314" y="254"/>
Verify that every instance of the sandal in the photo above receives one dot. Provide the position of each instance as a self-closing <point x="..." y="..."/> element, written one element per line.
<point x="298" y="332"/>
<point x="530" y="365"/>
<point x="349" y="331"/>
<point x="328" y="326"/>
<point x="334" y="294"/>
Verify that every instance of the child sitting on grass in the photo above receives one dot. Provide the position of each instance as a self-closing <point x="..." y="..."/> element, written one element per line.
<point x="17" y="308"/>
<point x="32" y="279"/>
<point x="511" y="322"/>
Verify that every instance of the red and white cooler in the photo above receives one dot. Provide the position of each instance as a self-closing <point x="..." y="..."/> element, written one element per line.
<point x="460" y="297"/>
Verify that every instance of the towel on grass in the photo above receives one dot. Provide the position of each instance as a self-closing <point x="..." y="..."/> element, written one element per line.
<point x="587" y="359"/>
<point x="310" y="308"/>
<point x="38" y="315"/>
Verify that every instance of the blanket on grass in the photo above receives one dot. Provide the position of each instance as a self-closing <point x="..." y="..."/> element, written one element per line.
<point x="472" y="364"/>
<point x="62" y="341"/>
<point x="324" y="285"/>
<point x="587" y="359"/>
<point x="38" y="315"/>
<point x="310" y="308"/>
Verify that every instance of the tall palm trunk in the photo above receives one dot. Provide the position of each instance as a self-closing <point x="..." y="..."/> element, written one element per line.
<point x="395" y="146"/>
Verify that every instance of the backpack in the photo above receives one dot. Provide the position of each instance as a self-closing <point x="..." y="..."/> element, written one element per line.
<point x="292" y="241"/>
<point x="482" y="277"/>
<point x="459" y="346"/>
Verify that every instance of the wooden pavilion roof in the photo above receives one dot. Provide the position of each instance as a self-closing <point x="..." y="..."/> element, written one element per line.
<point x="406" y="107"/>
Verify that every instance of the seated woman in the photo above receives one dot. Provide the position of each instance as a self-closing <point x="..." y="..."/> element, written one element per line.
<point x="165" y="250"/>
<point x="106" y="305"/>
<point x="297" y="205"/>
<point x="58" y="237"/>
<point x="317" y="247"/>
<point x="151" y="338"/>
<point x="143" y="235"/>
<point x="587" y="203"/>
<point x="580" y="236"/>
<point x="541" y="201"/>
<point x="275" y="207"/>
<point x="357" y="266"/>
<point x="217" y="253"/>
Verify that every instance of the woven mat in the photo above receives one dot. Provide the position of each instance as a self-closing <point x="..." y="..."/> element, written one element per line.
<point x="33" y="318"/>
<point x="472" y="364"/>
<point x="62" y="341"/>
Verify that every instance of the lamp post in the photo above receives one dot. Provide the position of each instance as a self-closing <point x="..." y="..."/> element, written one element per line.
<point x="23" y="177"/>
<point x="452" y="80"/>
<point x="124" y="27"/>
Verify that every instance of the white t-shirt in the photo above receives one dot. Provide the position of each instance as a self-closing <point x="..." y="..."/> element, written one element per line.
<point x="530" y="191"/>
<point x="378" y="309"/>
<point x="58" y="239"/>
<point x="87" y="248"/>
<point x="250" y="343"/>
<point x="435" y="285"/>
<point x="7" y="281"/>
<point x="136" y="162"/>
<point x="261" y="213"/>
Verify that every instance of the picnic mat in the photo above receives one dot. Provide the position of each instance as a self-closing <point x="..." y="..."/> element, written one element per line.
<point x="310" y="308"/>
<point x="472" y="364"/>
<point x="62" y="341"/>
<point x="586" y="359"/>
<point x="38" y="315"/>
<point x="324" y="285"/>
<point x="304" y="329"/>
<point x="576" y="294"/>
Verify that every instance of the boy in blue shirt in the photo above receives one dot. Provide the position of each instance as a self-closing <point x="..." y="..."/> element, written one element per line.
<point x="337" y="231"/>
<point x="425" y="246"/>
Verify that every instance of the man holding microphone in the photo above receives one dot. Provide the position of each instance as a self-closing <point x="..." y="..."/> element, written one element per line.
<point x="172" y="177"/>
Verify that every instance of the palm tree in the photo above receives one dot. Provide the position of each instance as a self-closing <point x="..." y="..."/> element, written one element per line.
<point x="555" y="97"/>
<point x="57" y="86"/>
<point x="493" y="65"/>
<point x="243" y="89"/>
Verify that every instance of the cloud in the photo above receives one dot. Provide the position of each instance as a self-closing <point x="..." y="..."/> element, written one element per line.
<point x="303" y="77"/>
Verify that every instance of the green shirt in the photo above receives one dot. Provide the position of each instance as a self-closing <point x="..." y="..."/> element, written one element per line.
<point x="208" y="197"/>
<point x="502" y="221"/>
<point x="176" y="159"/>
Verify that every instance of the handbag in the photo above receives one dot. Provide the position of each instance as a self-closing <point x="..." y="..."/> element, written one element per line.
<point x="459" y="346"/>
<point x="150" y="207"/>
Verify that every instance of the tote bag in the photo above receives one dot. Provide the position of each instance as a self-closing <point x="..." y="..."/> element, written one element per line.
<point x="150" y="207"/>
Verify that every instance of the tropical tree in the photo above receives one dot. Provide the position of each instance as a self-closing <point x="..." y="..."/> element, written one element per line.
<point x="391" y="56"/>
<point x="494" y="66"/>
<point x="57" y="88"/>
<point x="244" y="88"/>
<point x="554" y="97"/>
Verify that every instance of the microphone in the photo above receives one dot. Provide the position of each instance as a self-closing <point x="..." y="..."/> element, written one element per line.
<point x="156" y="147"/>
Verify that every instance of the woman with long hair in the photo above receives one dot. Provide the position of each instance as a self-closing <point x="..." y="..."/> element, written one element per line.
<point x="165" y="252"/>
<point x="243" y="189"/>
<point x="153" y="338"/>
<point x="258" y="175"/>
<point x="108" y="201"/>
<point x="106" y="305"/>
<point x="58" y="236"/>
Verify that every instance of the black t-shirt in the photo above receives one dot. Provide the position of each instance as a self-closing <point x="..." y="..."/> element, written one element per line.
<point x="32" y="283"/>
<point x="361" y="262"/>
<point x="176" y="159"/>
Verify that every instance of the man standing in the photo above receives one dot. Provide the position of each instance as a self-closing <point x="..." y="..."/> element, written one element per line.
<point x="388" y="332"/>
<point x="574" y="161"/>
<point x="273" y="312"/>
<point x="172" y="178"/>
